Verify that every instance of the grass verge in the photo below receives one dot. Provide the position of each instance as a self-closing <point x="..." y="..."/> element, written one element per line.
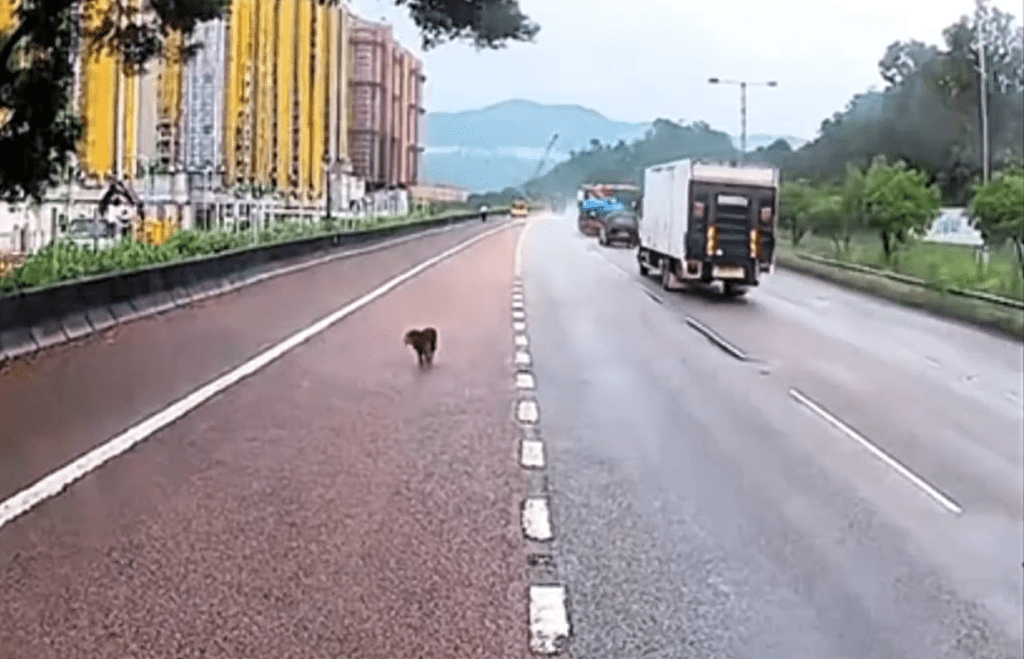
<point x="1003" y="320"/>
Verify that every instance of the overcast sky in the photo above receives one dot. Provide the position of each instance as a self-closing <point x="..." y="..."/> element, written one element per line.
<point x="636" y="60"/>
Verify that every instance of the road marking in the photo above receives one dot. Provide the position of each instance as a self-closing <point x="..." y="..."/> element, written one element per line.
<point x="549" y="623"/>
<point x="517" y="304"/>
<point x="532" y="454"/>
<point x="536" y="520"/>
<point x="518" y="264"/>
<point x="519" y="326"/>
<point x="521" y="340"/>
<point x="527" y="411"/>
<point x="522" y="358"/>
<point x="715" y="338"/>
<point x="941" y="498"/>
<point x="518" y="315"/>
<point x="524" y="380"/>
<point x="55" y="482"/>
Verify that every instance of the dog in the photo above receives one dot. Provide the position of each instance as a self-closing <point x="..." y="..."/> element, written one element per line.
<point x="425" y="343"/>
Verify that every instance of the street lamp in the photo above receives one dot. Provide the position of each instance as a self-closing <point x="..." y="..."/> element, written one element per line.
<point x="983" y="93"/>
<point x="743" y="106"/>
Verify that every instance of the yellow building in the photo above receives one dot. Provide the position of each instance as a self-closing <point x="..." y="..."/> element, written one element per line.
<point x="266" y="105"/>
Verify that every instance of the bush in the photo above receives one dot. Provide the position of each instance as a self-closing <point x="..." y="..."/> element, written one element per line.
<point x="63" y="260"/>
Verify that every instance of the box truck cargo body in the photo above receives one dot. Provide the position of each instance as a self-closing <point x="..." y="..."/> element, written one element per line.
<point x="709" y="222"/>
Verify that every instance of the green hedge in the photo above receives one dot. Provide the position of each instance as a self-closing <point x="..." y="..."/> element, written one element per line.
<point x="63" y="260"/>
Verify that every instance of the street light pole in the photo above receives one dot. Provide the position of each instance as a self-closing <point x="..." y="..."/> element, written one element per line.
<point x="743" y="107"/>
<point x="979" y="17"/>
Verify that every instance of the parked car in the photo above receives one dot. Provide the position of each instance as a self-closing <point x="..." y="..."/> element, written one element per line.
<point x="93" y="232"/>
<point x="620" y="225"/>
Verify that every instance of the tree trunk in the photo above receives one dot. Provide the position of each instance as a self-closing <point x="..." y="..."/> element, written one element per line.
<point x="1018" y="246"/>
<point x="885" y="245"/>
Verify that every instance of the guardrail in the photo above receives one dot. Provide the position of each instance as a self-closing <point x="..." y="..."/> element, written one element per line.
<point x="913" y="281"/>
<point x="35" y="319"/>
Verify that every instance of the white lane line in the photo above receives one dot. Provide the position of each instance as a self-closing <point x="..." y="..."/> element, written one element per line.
<point x="522" y="358"/>
<point x="716" y="338"/>
<point x="522" y="341"/>
<point x="519" y="326"/>
<point x="549" y="623"/>
<point x="517" y="304"/>
<point x="55" y="482"/>
<point x="518" y="263"/>
<point x="536" y="520"/>
<point x="941" y="498"/>
<point x="532" y="454"/>
<point x="527" y="411"/>
<point x="524" y="380"/>
<point x="518" y="315"/>
<point x="517" y="293"/>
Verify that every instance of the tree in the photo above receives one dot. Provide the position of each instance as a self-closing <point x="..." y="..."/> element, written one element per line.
<point x="39" y="129"/>
<point x="899" y="203"/>
<point x="854" y="201"/>
<point x="826" y="216"/>
<point x="997" y="210"/>
<point x="795" y="200"/>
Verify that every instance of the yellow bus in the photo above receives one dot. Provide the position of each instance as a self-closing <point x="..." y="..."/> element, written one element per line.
<point x="520" y="209"/>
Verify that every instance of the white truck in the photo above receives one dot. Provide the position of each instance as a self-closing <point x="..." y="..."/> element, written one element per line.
<point x="707" y="222"/>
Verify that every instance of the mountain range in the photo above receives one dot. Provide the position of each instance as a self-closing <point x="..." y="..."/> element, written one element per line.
<point x="501" y="145"/>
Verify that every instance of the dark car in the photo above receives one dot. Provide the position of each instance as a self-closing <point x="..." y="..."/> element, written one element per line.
<point x="619" y="226"/>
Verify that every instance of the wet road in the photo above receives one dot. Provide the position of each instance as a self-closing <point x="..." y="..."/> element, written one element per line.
<point x="340" y="503"/>
<point x="337" y="503"/>
<point x="854" y="489"/>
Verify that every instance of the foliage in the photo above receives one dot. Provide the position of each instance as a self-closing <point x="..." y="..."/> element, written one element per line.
<point x="795" y="200"/>
<point x="998" y="210"/>
<point x="928" y="115"/>
<point x="899" y="203"/>
<point x="63" y="260"/>
<point x="826" y="216"/>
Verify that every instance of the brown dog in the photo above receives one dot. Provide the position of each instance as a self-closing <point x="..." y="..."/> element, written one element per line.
<point x="425" y="343"/>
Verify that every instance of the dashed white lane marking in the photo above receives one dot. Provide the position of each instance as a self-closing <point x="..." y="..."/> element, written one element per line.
<point x="524" y="380"/>
<point x="527" y="411"/>
<point x="549" y="623"/>
<point x="55" y="482"/>
<point x="517" y="304"/>
<point x="532" y="454"/>
<point x="519" y="326"/>
<point x="518" y="263"/>
<point x="536" y="520"/>
<point x="941" y="498"/>
<point x="522" y="341"/>
<point x="518" y="315"/>
<point x="517" y="293"/>
<point x="522" y="358"/>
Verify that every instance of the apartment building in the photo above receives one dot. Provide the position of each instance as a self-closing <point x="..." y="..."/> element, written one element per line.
<point x="280" y="108"/>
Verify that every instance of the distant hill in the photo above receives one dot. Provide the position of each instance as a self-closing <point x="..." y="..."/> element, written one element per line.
<point x="501" y="145"/>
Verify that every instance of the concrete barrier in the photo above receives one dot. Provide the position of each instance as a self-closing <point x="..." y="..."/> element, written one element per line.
<point x="33" y="320"/>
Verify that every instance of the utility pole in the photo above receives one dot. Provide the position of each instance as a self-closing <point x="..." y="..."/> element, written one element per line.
<point x="981" y="36"/>
<point x="743" y="107"/>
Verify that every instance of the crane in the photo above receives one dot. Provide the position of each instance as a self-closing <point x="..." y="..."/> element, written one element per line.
<point x="543" y="158"/>
<point x="540" y="166"/>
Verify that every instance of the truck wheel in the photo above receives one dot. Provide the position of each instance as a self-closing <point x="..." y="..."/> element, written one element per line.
<point x="645" y="270"/>
<point x="733" y="289"/>
<point x="602" y="237"/>
<point x="666" y="274"/>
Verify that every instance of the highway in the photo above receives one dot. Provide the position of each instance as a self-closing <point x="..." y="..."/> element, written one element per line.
<point x="712" y="502"/>
<point x="833" y="477"/>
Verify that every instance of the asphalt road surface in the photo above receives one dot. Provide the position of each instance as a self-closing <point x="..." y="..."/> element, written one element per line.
<point x="340" y="502"/>
<point x="843" y="479"/>
<point x="835" y="478"/>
